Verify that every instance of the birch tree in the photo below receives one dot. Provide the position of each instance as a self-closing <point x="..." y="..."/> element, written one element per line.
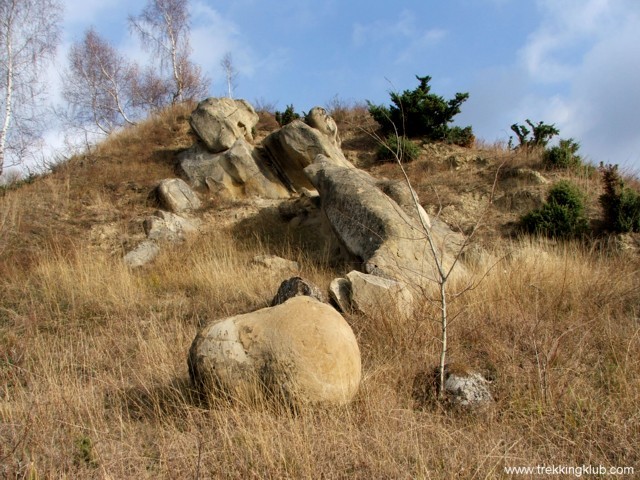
<point x="29" y="35"/>
<point x="164" y="28"/>
<point x="230" y="73"/>
<point x="99" y="85"/>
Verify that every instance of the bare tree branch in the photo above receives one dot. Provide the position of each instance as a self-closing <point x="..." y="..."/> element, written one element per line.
<point x="99" y="85"/>
<point x="163" y="28"/>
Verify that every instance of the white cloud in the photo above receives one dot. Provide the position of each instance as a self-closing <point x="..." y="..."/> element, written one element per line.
<point x="601" y="105"/>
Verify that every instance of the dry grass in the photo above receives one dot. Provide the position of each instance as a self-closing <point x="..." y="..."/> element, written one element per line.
<point x="93" y="375"/>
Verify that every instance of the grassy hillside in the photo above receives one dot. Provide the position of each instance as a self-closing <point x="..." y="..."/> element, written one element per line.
<point x="93" y="374"/>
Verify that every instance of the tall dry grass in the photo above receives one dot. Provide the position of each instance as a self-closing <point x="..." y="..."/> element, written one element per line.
<point x="95" y="384"/>
<point x="93" y="375"/>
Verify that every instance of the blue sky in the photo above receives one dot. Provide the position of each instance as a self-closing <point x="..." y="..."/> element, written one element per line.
<point x="575" y="63"/>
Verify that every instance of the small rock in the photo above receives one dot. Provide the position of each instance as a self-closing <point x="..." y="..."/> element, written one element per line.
<point x="144" y="253"/>
<point x="166" y="226"/>
<point x="294" y="287"/>
<point x="175" y="195"/>
<point x="464" y="388"/>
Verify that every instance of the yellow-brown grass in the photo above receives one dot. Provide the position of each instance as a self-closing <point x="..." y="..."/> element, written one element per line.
<point x="94" y="382"/>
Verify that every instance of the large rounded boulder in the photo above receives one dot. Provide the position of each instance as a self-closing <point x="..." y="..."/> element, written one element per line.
<point x="302" y="351"/>
<point x="219" y="122"/>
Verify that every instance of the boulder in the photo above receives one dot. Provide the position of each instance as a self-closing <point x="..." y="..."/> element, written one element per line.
<point x="294" y="287"/>
<point x="301" y="351"/>
<point x="220" y="122"/>
<point x="340" y="293"/>
<point x="144" y="253"/>
<point x="175" y="195"/>
<point x="237" y="173"/>
<point x="375" y="229"/>
<point x="296" y="146"/>
<point x="167" y="226"/>
<point x="373" y="295"/>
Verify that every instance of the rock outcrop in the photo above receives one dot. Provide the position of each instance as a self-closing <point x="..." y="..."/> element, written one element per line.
<point x="319" y="119"/>
<point x="374" y="228"/>
<point x="301" y="351"/>
<point x="220" y="122"/>
<point x="239" y="172"/>
<point x="296" y="146"/>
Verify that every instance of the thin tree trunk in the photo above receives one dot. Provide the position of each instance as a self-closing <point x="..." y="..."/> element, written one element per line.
<point x="7" y="97"/>
<point x="443" y="350"/>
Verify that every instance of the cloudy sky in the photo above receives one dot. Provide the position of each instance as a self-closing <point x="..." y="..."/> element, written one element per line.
<point x="575" y="63"/>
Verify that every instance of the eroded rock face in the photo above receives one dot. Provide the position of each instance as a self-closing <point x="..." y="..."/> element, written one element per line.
<point x="301" y="351"/>
<point x="220" y="122"/>
<point x="175" y="195"/>
<point x="319" y="119"/>
<point x="296" y="146"/>
<point x="375" y="229"/>
<point x="236" y="173"/>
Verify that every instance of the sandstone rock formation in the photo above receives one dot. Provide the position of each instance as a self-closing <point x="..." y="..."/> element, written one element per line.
<point x="374" y="228"/>
<point x="319" y="119"/>
<point x="220" y="122"/>
<point x="301" y="351"/>
<point x="175" y="195"/>
<point x="239" y="172"/>
<point x="295" y="146"/>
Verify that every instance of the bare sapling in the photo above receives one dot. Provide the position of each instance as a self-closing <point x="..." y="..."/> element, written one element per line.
<point x="443" y="271"/>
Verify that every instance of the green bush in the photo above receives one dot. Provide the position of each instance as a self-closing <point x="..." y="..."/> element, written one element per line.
<point x="621" y="204"/>
<point x="542" y="133"/>
<point x="405" y="149"/>
<point x="460" y="136"/>
<point x="419" y="113"/>
<point x="562" y="215"/>
<point x="288" y="116"/>
<point x="563" y="155"/>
